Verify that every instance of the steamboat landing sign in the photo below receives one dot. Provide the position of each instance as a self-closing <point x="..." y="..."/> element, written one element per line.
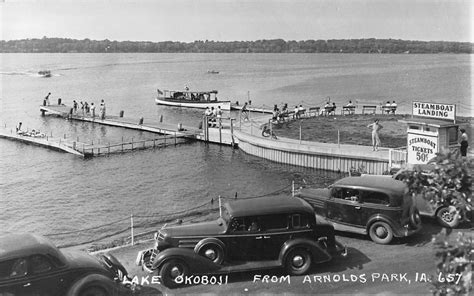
<point x="434" y="110"/>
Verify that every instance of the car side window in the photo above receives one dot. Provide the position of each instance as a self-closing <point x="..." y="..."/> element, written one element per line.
<point x="19" y="268"/>
<point x="13" y="268"/>
<point x="375" y="198"/>
<point x="237" y="225"/>
<point x="40" y="264"/>
<point x="299" y="221"/>
<point x="346" y="194"/>
<point x="274" y="222"/>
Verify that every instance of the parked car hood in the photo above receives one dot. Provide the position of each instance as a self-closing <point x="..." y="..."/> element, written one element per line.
<point x="322" y="193"/>
<point x="203" y="228"/>
<point x="78" y="259"/>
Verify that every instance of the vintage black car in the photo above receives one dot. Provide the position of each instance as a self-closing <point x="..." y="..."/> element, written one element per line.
<point x="445" y="213"/>
<point x="32" y="265"/>
<point x="375" y="205"/>
<point x="250" y="234"/>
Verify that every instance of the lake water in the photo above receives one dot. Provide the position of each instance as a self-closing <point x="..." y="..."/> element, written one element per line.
<point x="48" y="192"/>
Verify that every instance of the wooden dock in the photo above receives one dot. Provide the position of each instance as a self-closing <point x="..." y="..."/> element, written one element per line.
<point x="218" y="135"/>
<point x="90" y="149"/>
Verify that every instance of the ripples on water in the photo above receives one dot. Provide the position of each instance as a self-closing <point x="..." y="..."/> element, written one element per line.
<point x="49" y="192"/>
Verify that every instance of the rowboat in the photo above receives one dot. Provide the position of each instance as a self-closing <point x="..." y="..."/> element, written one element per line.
<point x="44" y="73"/>
<point x="191" y="99"/>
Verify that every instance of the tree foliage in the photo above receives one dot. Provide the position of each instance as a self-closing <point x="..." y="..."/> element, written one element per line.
<point x="371" y="45"/>
<point x="449" y="182"/>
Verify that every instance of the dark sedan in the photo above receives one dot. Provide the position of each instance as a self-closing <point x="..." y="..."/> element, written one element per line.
<point x="32" y="265"/>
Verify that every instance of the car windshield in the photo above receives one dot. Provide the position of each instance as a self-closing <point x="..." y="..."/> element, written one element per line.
<point x="225" y="216"/>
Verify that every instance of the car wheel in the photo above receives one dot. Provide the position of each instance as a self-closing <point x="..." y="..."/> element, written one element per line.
<point x="171" y="270"/>
<point x="213" y="252"/>
<point x="298" y="261"/>
<point x="381" y="233"/>
<point x="93" y="291"/>
<point x="447" y="217"/>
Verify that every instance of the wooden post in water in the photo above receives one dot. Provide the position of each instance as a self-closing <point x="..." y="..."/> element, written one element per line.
<point x="300" y="131"/>
<point x="232" y="132"/>
<point x="132" y="143"/>
<point x="175" y="138"/>
<point x="108" y="149"/>
<point x="338" y="139"/>
<point x="131" y="228"/>
<point x="220" y="132"/>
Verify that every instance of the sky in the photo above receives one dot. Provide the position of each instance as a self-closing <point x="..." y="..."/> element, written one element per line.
<point x="238" y="20"/>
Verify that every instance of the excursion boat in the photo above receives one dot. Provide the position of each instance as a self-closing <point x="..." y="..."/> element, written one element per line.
<point x="44" y="73"/>
<point x="191" y="99"/>
<point x="212" y="72"/>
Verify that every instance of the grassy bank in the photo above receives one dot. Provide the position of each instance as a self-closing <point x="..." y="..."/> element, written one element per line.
<point x="352" y="129"/>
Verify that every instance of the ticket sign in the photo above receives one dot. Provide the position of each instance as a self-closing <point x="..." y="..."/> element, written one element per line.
<point x="435" y="110"/>
<point x="421" y="148"/>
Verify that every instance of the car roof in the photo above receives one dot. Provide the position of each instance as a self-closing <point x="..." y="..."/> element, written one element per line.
<point x="26" y="244"/>
<point x="376" y="182"/>
<point x="267" y="205"/>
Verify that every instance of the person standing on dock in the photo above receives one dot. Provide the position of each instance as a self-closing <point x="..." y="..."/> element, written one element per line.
<point x="464" y="142"/>
<point x="376" y="126"/>
<point x="102" y="110"/>
<point x="46" y="100"/>
<point x="92" y="110"/>
<point x="219" y="115"/>
<point x="74" y="106"/>
<point x="244" y="112"/>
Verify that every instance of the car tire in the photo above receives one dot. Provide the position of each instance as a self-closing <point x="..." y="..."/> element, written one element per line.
<point x="171" y="270"/>
<point x="447" y="218"/>
<point x="93" y="285"/>
<point x="213" y="252"/>
<point x="298" y="261"/>
<point x="381" y="233"/>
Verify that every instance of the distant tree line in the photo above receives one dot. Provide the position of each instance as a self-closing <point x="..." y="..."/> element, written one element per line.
<point x="370" y="45"/>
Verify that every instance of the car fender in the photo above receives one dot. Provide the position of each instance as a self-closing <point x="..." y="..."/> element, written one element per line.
<point x="197" y="264"/>
<point x="209" y="240"/>
<point x="114" y="264"/>
<point x="93" y="280"/>
<point x="318" y="253"/>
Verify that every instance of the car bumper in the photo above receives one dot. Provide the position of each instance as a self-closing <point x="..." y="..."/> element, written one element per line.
<point x="338" y="249"/>
<point x="145" y="259"/>
<point x="406" y="231"/>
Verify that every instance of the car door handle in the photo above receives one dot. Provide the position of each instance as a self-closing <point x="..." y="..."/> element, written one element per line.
<point x="27" y="285"/>
<point x="266" y="237"/>
<point x="258" y="237"/>
<point x="357" y="208"/>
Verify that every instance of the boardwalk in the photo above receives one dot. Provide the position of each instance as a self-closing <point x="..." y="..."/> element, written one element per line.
<point x="326" y="156"/>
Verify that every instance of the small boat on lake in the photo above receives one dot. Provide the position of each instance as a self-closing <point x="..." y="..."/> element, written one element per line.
<point x="191" y="99"/>
<point x="44" y="73"/>
<point x="212" y="72"/>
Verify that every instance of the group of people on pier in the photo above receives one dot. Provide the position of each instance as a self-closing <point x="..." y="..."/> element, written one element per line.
<point x="87" y="109"/>
<point x="214" y="116"/>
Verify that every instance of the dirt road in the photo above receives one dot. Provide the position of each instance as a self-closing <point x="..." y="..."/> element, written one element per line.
<point x="403" y="267"/>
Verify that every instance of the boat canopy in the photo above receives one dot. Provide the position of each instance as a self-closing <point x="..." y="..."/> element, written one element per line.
<point x="189" y="95"/>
